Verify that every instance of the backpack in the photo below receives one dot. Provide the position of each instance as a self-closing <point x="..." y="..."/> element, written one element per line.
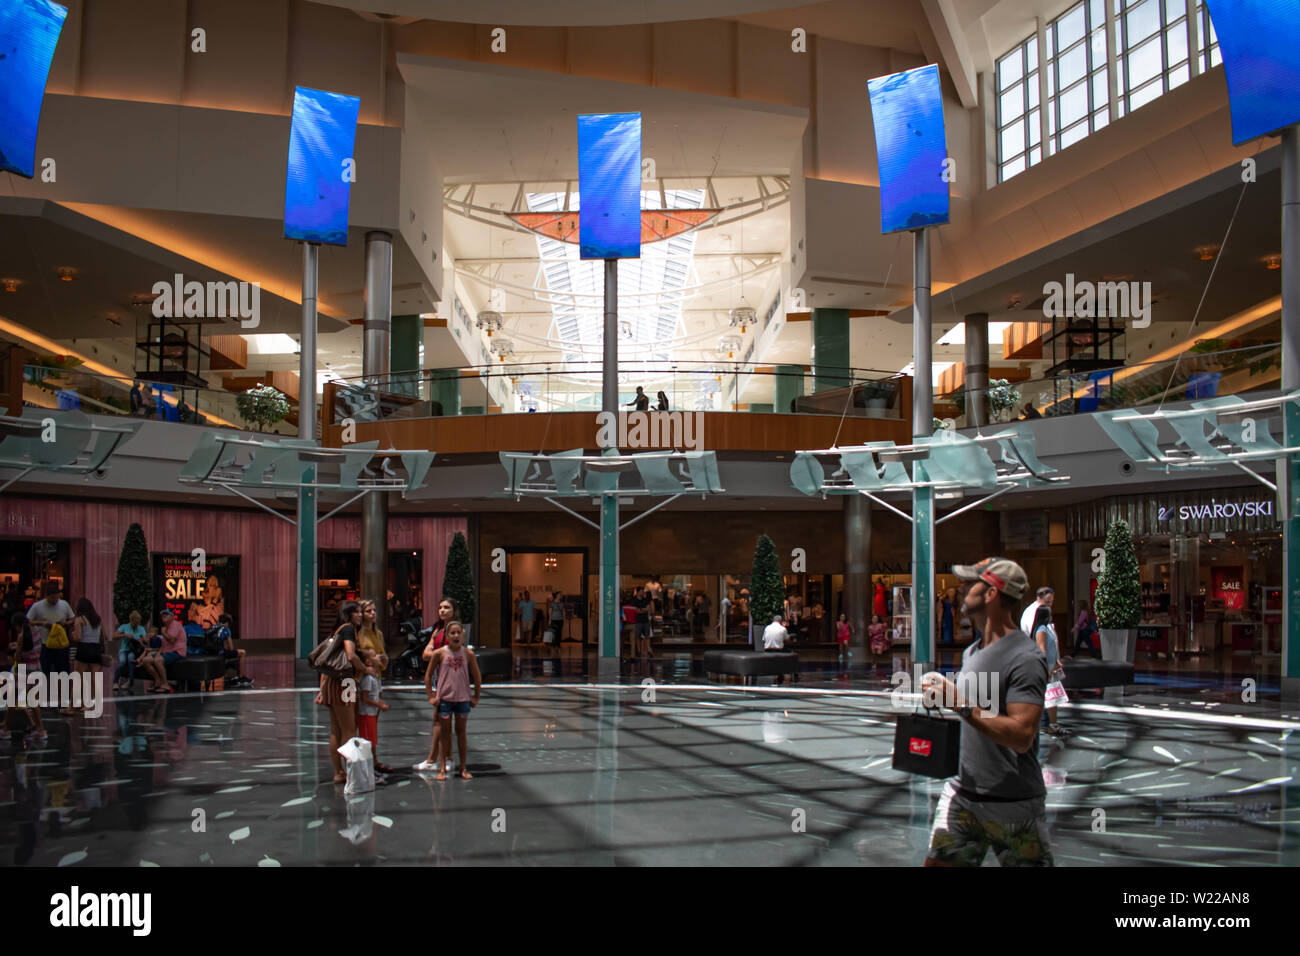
<point x="57" y="639"/>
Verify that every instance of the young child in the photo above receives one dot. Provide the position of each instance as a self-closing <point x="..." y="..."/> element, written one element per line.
<point x="24" y="650"/>
<point x="369" y="706"/>
<point x="454" y="664"/>
<point x="843" y="632"/>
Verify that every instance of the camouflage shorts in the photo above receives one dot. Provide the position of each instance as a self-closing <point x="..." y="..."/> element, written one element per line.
<point x="964" y="831"/>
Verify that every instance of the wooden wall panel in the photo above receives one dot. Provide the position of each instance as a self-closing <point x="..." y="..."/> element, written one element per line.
<point x="721" y="431"/>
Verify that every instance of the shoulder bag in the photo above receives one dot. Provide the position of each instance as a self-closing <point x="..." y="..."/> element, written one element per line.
<point x="330" y="657"/>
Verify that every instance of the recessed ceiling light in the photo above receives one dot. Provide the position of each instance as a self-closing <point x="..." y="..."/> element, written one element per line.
<point x="65" y="273"/>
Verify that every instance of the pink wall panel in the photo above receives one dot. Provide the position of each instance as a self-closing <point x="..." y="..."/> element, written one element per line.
<point x="264" y="544"/>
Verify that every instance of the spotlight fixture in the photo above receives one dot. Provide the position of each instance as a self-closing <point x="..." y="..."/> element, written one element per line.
<point x="503" y="347"/>
<point x="65" y="273"/>
<point x="1272" y="262"/>
<point x="490" y="320"/>
<point x="742" y="317"/>
<point x="1206" y="253"/>
<point x="10" y="285"/>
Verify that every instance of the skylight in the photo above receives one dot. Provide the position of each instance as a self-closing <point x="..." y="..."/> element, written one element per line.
<point x="653" y="317"/>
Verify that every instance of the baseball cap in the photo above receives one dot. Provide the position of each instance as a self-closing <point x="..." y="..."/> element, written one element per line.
<point x="1001" y="573"/>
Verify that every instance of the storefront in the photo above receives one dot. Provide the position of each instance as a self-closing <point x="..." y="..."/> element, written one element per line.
<point x="1211" y="571"/>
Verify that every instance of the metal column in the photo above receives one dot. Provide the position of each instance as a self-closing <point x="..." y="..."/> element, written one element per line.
<point x="307" y="429"/>
<point x="609" y="576"/>
<point x="922" y="427"/>
<point x="375" y="356"/>
<point x="977" y="369"/>
<point x="857" y="569"/>
<point x="1291" y="415"/>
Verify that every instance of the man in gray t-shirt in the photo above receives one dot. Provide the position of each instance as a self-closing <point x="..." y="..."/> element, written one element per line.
<point x="997" y="800"/>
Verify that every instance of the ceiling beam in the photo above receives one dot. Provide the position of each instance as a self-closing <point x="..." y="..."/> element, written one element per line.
<point x="954" y="49"/>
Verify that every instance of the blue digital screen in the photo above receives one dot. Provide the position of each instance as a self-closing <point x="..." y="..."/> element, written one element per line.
<point x="1260" y="43"/>
<point x="609" y="186"/>
<point x="29" y="31"/>
<point x="317" y="182"/>
<point x="907" y="111"/>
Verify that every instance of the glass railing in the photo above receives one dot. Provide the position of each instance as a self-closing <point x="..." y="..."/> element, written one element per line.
<point x="1191" y="376"/>
<point x="97" y="394"/>
<point x="576" y="387"/>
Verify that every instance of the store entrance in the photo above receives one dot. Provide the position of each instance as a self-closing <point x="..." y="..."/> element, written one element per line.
<point x="555" y="583"/>
<point x="27" y="565"/>
<point x="339" y="574"/>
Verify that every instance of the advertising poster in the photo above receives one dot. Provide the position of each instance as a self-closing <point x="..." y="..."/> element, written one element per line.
<point x="1227" y="587"/>
<point x="198" y="597"/>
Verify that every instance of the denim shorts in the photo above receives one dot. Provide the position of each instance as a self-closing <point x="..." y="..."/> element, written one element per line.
<point x="448" y="707"/>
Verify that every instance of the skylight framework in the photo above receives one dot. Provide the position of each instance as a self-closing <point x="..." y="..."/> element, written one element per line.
<point x="664" y="268"/>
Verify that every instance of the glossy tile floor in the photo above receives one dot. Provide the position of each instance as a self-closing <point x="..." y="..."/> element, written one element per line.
<point x="573" y="774"/>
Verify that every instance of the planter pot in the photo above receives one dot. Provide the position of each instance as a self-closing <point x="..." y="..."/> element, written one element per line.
<point x="1119" y="644"/>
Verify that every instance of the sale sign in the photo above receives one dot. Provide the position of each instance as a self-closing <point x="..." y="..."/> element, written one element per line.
<point x="198" y="591"/>
<point x="1227" y="587"/>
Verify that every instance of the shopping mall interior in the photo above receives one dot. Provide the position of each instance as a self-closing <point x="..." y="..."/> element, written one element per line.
<point x="224" y="398"/>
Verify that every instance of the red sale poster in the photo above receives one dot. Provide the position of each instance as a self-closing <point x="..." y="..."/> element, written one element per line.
<point x="1227" y="586"/>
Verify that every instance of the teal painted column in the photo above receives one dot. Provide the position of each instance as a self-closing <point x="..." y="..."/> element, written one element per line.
<point x="922" y="569"/>
<point x="307" y="565"/>
<point x="609" y="603"/>
<point x="444" y="388"/>
<point x="830" y="351"/>
<point x="1291" y="559"/>
<point x="788" y="386"/>
<point x="404" y="355"/>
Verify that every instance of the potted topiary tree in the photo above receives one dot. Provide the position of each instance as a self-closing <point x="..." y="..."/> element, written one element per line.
<point x="262" y="406"/>
<point x="133" y="589"/>
<point x="458" y="581"/>
<point x="1119" y="595"/>
<point x="766" y="589"/>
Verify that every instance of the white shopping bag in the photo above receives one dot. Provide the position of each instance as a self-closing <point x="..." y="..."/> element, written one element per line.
<point x="361" y="766"/>
<point x="1055" y="695"/>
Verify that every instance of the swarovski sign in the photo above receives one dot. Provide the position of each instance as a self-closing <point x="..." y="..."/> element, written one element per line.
<point x="1218" y="509"/>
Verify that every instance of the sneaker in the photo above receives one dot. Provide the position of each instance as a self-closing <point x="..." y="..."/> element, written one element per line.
<point x="425" y="766"/>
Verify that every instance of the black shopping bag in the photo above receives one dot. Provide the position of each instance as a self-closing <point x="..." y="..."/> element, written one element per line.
<point x="927" y="745"/>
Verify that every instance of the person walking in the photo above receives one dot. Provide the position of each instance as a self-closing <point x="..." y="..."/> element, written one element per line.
<point x="663" y="402"/>
<point x="843" y="633"/>
<point x="526" y="615"/>
<point x="88" y="635"/>
<point x="641" y="400"/>
<point x="1043" y="598"/>
<point x="42" y="615"/>
<point x="997" y="801"/>
<point x="1044" y="636"/>
<point x="1085" y="626"/>
<point x="342" y="706"/>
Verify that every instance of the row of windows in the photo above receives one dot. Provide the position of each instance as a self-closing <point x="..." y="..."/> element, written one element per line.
<point x="1152" y="39"/>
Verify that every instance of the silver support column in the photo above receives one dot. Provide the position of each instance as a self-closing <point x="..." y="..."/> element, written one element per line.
<point x="609" y="570"/>
<point x="857" y="570"/>
<point x="375" y="357"/>
<point x="306" y="564"/>
<point x="922" y="427"/>
<point x="1290" y="414"/>
<point x="977" y="369"/>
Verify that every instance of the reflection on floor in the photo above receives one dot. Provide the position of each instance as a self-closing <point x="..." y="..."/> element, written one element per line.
<point x="573" y="774"/>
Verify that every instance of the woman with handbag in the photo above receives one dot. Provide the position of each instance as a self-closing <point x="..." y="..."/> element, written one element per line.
<point x="1045" y="637"/>
<point x="335" y="658"/>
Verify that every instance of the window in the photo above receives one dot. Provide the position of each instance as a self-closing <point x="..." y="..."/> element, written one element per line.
<point x="1153" y="55"/>
<point x="1018" y="122"/>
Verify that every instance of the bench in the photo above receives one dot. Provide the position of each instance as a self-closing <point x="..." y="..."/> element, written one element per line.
<point x="751" y="664"/>
<point x="199" y="669"/>
<point x="494" y="662"/>
<point x="1093" y="673"/>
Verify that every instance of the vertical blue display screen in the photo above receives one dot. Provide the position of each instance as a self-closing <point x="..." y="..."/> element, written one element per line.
<point x="317" y="183"/>
<point x="1260" y="43"/>
<point x="907" y="111"/>
<point x="609" y="185"/>
<point x="29" y="31"/>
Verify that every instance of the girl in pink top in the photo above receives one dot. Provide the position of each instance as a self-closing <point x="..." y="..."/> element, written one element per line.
<point x="454" y="664"/>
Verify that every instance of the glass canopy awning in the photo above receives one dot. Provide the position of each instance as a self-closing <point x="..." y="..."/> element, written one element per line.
<point x="62" y="441"/>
